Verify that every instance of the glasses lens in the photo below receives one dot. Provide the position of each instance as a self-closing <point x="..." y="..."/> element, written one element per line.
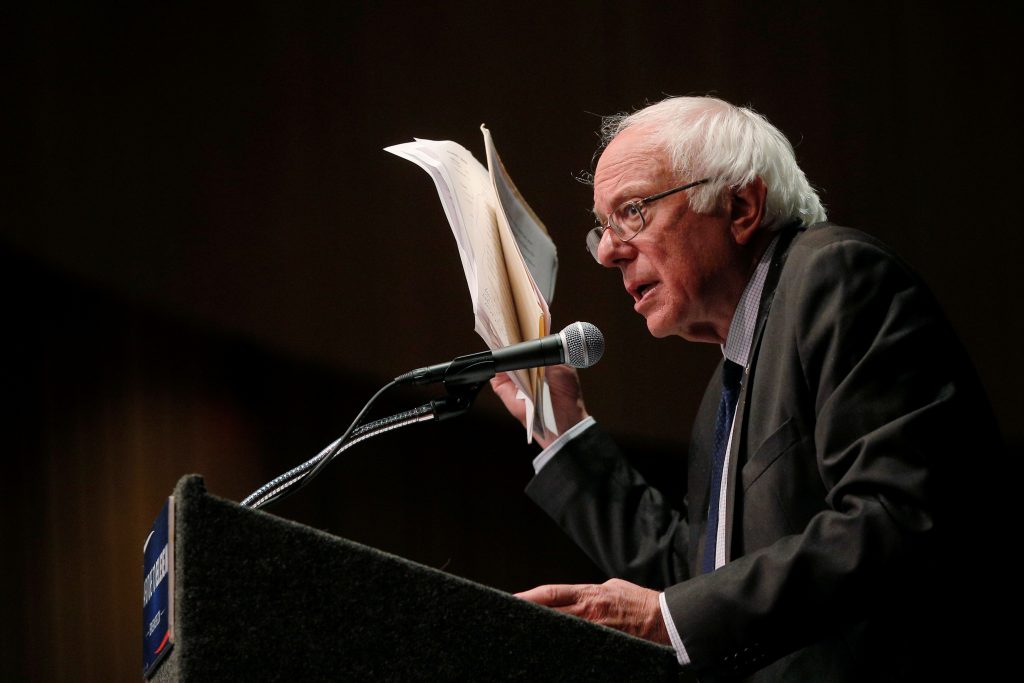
<point x="628" y="220"/>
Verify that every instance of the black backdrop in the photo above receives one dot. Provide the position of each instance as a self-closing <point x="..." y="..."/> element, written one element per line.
<point x="209" y="263"/>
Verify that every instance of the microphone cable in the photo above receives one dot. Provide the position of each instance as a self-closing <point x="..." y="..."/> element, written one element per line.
<point x="297" y="477"/>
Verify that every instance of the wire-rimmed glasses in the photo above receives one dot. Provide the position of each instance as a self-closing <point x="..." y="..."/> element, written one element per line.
<point x="629" y="219"/>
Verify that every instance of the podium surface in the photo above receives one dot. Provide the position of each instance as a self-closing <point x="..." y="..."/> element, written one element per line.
<point x="258" y="597"/>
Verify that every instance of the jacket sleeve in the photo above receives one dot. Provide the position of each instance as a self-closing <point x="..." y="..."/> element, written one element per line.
<point x="623" y="524"/>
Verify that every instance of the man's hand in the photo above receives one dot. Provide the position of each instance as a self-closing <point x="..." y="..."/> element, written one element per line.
<point x="615" y="603"/>
<point x="566" y="398"/>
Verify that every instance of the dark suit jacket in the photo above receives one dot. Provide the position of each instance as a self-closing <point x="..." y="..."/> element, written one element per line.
<point x="856" y="488"/>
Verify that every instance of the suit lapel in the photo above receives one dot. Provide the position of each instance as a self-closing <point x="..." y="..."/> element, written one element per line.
<point x="736" y="447"/>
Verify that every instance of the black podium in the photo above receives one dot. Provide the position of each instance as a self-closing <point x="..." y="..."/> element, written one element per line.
<point x="259" y="598"/>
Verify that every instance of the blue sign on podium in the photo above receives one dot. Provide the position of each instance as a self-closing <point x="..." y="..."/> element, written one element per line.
<point x="158" y="590"/>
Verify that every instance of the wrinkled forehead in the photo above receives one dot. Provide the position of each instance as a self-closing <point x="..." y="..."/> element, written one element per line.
<point x="632" y="166"/>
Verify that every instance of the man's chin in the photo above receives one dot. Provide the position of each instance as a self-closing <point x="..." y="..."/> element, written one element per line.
<point x="658" y="329"/>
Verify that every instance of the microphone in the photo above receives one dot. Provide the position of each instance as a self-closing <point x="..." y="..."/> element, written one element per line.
<point x="579" y="345"/>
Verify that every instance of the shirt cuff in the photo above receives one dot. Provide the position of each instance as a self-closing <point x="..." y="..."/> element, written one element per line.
<point x="677" y="643"/>
<point x="565" y="437"/>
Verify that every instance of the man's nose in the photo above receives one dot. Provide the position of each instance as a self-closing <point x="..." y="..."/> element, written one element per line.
<point x="612" y="251"/>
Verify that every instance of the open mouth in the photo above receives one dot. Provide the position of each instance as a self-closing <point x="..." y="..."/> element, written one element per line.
<point x="641" y="290"/>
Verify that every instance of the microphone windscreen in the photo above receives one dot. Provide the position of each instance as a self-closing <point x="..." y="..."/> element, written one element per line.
<point x="584" y="344"/>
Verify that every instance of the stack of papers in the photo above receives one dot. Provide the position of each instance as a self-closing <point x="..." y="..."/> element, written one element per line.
<point x="508" y="258"/>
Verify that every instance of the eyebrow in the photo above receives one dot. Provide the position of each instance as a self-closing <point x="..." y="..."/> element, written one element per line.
<point x="630" y="191"/>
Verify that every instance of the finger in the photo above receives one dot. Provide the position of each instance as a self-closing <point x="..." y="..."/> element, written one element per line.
<point x="557" y="595"/>
<point x="502" y="385"/>
<point x="503" y="388"/>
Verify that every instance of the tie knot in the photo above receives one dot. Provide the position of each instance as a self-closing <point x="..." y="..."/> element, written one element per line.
<point x="732" y="374"/>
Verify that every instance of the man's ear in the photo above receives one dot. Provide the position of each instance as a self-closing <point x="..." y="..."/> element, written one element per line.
<point x="747" y="208"/>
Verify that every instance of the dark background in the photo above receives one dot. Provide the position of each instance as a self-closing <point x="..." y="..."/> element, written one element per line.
<point x="208" y="264"/>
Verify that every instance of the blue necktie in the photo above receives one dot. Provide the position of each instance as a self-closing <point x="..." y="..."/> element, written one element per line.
<point x="732" y="373"/>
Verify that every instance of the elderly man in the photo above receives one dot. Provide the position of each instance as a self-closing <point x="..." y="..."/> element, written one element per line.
<point x="828" y="530"/>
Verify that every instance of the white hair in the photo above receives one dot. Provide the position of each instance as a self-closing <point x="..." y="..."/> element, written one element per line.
<point x="706" y="137"/>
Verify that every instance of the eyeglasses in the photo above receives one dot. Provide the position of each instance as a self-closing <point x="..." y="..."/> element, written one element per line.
<point x="629" y="219"/>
